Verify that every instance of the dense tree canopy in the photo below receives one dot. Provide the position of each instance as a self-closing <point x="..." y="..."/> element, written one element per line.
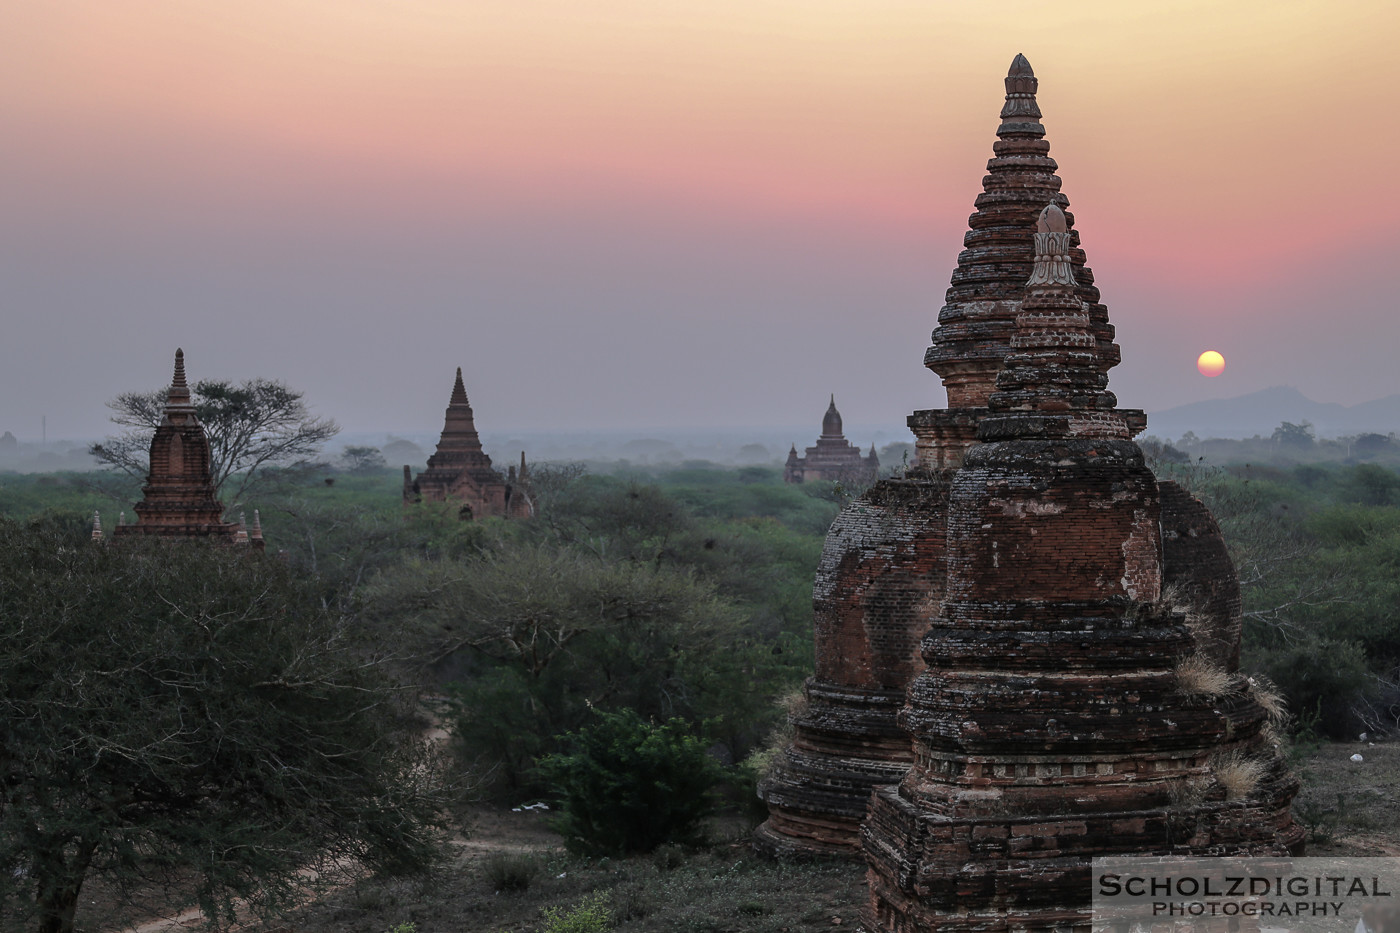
<point x="175" y="708"/>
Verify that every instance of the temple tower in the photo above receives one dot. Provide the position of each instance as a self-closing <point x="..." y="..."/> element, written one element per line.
<point x="833" y="459"/>
<point x="880" y="580"/>
<point x="179" y="499"/>
<point x="884" y="570"/>
<point x="460" y="471"/>
<point x="1053" y="721"/>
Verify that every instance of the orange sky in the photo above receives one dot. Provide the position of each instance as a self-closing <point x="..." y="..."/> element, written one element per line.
<point x="745" y="165"/>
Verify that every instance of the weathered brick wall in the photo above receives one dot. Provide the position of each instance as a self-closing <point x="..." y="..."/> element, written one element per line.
<point x="1054" y="520"/>
<point x="1200" y="577"/>
<point x="879" y="583"/>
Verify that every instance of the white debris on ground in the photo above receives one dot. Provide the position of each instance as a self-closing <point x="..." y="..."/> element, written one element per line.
<point x="1357" y="757"/>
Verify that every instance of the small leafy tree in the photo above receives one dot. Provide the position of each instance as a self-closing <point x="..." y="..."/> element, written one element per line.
<point x="178" y="713"/>
<point x="250" y="425"/>
<point x="1289" y="434"/>
<point x="627" y="785"/>
<point x="358" y="459"/>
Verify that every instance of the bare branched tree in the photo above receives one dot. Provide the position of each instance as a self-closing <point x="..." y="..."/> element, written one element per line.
<point x="251" y="425"/>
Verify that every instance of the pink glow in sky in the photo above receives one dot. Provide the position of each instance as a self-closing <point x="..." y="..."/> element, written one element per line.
<point x="638" y="214"/>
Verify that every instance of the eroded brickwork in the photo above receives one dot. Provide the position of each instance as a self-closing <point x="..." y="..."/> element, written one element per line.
<point x="460" y="471"/>
<point x="879" y="583"/>
<point x="1200" y="577"/>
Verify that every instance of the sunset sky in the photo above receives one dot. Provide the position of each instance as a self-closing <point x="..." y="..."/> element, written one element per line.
<point x="630" y="215"/>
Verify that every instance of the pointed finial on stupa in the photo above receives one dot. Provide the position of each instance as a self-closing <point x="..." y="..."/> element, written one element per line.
<point x="521" y="472"/>
<point x="96" y="526"/>
<point x="831" y="422"/>
<point x="241" y="536"/>
<point x="459" y="391"/>
<point x="1020" y="114"/>
<point x="1051" y="220"/>
<point x="177" y="400"/>
<point x="121" y="519"/>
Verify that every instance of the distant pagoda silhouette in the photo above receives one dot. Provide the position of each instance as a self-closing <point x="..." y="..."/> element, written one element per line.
<point x="179" y="499"/>
<point x="994" y="651"/>
<point x="833" y="458"/>
<point x="460" y="471"/>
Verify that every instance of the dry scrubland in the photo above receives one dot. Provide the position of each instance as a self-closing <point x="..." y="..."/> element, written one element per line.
<point x="1316" y="546"/>
<point x="1349" y="808"/>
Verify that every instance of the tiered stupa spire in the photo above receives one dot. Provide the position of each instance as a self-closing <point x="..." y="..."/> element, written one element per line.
<point x="978" y="319"/>
<point x="460" y="470"/>
<point x="179" y="499"/>
<point x="1055" y="380"/>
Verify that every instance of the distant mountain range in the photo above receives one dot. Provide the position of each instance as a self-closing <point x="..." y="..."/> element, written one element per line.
<point x="1261" y="412"/>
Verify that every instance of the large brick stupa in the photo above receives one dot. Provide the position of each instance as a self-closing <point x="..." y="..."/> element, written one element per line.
<point x="1062" y="714"/>
<point x="1029" y="587"/>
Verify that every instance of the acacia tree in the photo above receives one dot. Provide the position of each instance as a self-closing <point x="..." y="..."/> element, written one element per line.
<point x="252" y="425"/>
<point x="179" y="712"/>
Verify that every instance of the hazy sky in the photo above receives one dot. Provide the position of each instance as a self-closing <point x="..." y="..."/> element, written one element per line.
<point x="678" y="213"/>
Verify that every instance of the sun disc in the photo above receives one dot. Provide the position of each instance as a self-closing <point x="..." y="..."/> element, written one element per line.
<point x="1210" y="363"/>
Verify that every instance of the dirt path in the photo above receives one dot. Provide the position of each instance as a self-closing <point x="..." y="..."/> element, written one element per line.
<point x="503" y="830"/>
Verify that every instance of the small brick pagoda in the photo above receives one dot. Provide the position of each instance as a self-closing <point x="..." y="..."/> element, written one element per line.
<point x="179" y="499"/>
<point x="833" y="459"/>
<point x="1030" y="548"/>
<point x="460" y="471"/>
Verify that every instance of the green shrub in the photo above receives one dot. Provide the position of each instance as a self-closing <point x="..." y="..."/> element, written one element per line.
<point x="590" y="916"/>
<point x="1323" y="680"/>
<point x="627" y="785"/>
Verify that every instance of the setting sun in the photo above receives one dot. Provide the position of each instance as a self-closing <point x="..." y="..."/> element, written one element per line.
<point x="1210" y="363"/>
